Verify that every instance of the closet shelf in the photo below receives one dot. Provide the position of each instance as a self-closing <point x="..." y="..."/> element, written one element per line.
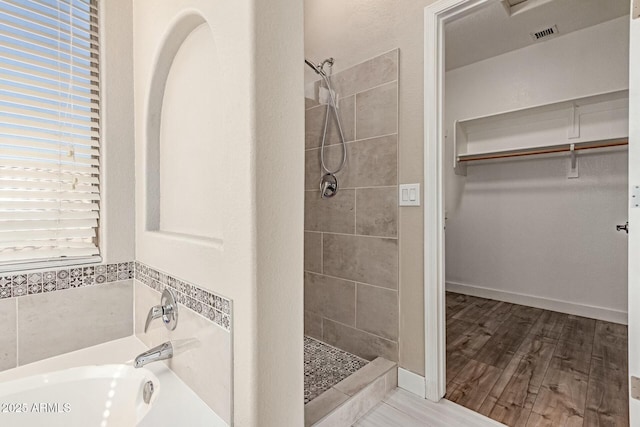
<point x="596" y="121"/>
<point x="503" y="154"/>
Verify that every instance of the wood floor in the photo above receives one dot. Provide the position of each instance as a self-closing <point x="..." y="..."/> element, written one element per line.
<point x="524" y="366"/>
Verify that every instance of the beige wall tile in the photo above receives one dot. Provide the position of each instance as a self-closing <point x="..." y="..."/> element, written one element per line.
<point x="310" y="103"/>
<point x="314" y="123"/>
<point x="312" y="325"/>
<point x="370" y="163"/>
<point x="313" y="169"/>
<point x="330" y="298"/>
<point x="377" y="111"/>
<point x="59" y="322"/>
<point x="371" y="260"/>
<point x="353" y="409"/>
<point x="392" y="379"/>
<point x="374" y="72"/>
<point x="365" y="376"/>
<point x="336" y="214"/>
<point x="377" y="211"/>
<point x="313" y="251"/>
<point x="8" y="334"/>
<point x="358" y="342"/>
<point x="202" y="350"/>
<point x="322" y="405"/>
<point x="377" y="311"/>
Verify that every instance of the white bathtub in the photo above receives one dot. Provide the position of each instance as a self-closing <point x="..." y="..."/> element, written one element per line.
<point x="98" y="387"/>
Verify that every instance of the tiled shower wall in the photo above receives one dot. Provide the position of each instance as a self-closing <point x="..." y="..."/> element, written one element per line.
<point x="351" y="240"/>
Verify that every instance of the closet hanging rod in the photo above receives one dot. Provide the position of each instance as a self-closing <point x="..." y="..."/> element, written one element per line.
<point x="539" y="150"/>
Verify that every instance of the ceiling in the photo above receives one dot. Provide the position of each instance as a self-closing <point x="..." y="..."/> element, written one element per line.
<point x="496" y="29"/>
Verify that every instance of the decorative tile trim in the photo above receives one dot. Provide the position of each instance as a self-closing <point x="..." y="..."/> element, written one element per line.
<point x="38" y="282"/>
<point x="204" y="302"/>
<point x="207" y="304"/>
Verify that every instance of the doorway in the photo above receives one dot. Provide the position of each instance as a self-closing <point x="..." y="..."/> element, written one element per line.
<point x="498" y="335"/>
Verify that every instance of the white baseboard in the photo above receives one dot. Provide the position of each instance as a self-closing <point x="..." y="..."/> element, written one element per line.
<point x="411" y="382"/>
<point x="593" y="312"/>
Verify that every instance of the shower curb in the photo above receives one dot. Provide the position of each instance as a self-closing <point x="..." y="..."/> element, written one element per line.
<point x="346" y="402"/>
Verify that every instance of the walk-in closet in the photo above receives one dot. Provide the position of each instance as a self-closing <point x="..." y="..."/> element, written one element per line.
<point x="536" y="178"/>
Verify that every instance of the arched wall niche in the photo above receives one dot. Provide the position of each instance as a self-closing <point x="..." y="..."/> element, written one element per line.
<point x="183" y="152"/>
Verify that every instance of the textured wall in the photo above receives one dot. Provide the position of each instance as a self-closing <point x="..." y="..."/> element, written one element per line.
<point x="351" y="240"/>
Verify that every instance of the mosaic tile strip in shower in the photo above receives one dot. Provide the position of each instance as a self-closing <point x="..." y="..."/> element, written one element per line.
<point x="207" y="304"/>
<point x="326" y="366"/>
<point x="37" y="282"/>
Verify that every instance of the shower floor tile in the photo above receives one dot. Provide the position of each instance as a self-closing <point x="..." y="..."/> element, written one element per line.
<point x="326" y="366"/>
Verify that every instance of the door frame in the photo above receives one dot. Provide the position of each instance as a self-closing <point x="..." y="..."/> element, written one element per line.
<point x="634" y="213"/>
<point x="435" y="17"/>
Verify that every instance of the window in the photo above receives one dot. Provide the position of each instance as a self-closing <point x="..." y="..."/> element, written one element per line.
<point x="49" y="133"/>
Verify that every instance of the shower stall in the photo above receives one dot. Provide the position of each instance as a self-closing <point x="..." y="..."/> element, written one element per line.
<point x="351" y="219"/>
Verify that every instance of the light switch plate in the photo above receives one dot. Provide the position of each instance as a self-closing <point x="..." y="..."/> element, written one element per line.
<point x="409" y="195"/>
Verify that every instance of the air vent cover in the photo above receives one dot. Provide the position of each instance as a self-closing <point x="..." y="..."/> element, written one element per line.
<point x="515" y="2"/>
<point x="545" y="34"/>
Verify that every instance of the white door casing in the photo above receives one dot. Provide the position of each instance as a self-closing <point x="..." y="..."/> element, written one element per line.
<point x="634" y="214"/>
<point x="436" y="15"/>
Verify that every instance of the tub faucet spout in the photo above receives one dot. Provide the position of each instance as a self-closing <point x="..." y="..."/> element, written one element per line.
<point x="162" y="352"/>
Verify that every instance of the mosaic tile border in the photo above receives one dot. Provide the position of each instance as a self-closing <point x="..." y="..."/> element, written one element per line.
<point x="325" y="366"/>
<point x="38" y="282"/>
<point x="205" y="303"/>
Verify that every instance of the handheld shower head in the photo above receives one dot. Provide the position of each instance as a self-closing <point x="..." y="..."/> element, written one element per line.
<point x="317" y="68"/>
<point x="329" y="184"/>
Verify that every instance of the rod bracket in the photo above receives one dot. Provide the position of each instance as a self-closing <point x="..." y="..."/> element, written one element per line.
<point x="573" y="165"/>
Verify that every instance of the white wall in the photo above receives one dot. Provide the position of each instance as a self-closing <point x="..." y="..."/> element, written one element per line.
<point x="521" y="226"/>
<point x="193" y="139"/>
<point x="117" y="189"/>
<point x="257" y="257"/>
<point x="278" y="192"/>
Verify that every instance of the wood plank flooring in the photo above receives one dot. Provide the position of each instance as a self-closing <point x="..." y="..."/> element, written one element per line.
<point x="525" y="366"/>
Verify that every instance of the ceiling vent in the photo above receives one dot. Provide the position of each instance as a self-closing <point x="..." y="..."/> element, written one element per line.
<point x="515" y="2"/>
<point x="545" y="34"/>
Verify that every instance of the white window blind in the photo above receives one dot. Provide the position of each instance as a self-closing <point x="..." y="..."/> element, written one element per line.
<point x="49" y="132"/>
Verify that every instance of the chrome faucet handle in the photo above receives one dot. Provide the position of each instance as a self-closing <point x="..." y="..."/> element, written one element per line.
<point x="167" y="310"/>
<point x="328" y="186"/>
<point x="154" y="313"/>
